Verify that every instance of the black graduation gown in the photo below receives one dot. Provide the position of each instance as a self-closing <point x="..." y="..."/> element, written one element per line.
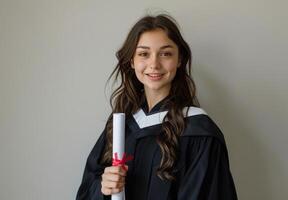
<point x="202" y="171"/>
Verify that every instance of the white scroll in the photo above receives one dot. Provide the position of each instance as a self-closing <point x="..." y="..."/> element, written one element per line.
<point x="118" y="144"/>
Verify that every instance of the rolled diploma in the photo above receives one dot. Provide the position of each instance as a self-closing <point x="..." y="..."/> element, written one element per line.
<point x="118" y="144"/>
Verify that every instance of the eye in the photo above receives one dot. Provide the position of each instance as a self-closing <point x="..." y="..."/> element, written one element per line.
<point x="143" y="54"/>
<point x="165" y="54"/>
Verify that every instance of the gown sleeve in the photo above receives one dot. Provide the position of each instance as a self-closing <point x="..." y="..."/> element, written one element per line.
<point x="207" y="176"/>
<point x="90" y="188"/>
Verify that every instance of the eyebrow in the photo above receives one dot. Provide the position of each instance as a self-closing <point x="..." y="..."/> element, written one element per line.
<point x="163" y="47"/>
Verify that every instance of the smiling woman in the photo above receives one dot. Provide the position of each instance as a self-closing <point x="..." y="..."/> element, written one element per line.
<point x="179" y="152"/>
<point x="155" y="62"/>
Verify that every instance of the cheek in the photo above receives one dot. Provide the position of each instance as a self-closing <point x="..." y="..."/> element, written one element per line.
<point x="171" y="66"/>
<point x="140" y="66"/>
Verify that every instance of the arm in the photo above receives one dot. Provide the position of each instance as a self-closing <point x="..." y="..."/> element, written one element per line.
<point x="90" y="187"/>
<point x="208" y="176"/>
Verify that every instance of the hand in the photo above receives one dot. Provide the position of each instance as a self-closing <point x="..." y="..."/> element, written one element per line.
<point x="113" y="180"/>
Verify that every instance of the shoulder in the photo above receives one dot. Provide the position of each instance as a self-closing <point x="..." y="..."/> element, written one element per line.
<point x="198" y="123"/>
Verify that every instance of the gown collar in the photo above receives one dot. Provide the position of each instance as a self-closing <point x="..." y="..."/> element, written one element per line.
<point x="158" y="107"/>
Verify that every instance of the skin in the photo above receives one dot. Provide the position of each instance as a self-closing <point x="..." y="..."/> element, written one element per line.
<point x="157" y="56"/>
<point x="113" y="180"/>
<point x="155" y="62"/>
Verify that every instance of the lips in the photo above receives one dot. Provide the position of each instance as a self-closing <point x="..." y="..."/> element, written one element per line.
<point x="155" y="76"/>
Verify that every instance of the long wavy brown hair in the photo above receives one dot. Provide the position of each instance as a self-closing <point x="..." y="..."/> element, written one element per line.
<point x="128" y="96"/>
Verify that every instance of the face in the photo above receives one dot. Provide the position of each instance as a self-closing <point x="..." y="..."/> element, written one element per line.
<point x="155" y="61"/>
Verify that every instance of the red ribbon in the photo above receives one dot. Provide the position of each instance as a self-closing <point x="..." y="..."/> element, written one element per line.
<point x="121" y="162"/>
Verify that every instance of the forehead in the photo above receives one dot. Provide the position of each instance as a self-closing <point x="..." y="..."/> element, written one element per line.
<point x="155" y="39"/>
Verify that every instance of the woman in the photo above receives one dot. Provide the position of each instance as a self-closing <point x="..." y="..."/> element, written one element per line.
<point x="179" y="152"/>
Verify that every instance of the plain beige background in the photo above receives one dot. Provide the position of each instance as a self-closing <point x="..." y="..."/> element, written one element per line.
<point x="55" y="57"/>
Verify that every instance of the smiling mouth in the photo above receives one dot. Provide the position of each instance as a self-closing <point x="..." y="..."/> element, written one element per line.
<point x="155" y="75"/>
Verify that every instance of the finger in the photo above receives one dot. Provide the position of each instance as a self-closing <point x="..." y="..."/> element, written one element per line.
<point x="112" y="184"/>
<point x="115" y="170"/>
<point x="113" y="177"/>
<point x="106" y="191"/>
<point x="117" y="190"/>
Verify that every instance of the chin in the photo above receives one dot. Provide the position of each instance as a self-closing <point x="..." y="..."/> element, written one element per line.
<point x="155" y="87"/>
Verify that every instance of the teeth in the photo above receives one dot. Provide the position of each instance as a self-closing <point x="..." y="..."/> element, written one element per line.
<point x="153" y="75"/>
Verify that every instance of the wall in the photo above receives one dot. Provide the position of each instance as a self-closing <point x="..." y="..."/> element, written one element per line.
<point x="55" y="57"/>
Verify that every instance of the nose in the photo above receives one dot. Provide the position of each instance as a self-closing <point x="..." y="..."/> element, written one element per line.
<point x="154" y="62"/>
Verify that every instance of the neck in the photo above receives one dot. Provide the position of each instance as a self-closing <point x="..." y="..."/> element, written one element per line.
<point x="154" y="97"/>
